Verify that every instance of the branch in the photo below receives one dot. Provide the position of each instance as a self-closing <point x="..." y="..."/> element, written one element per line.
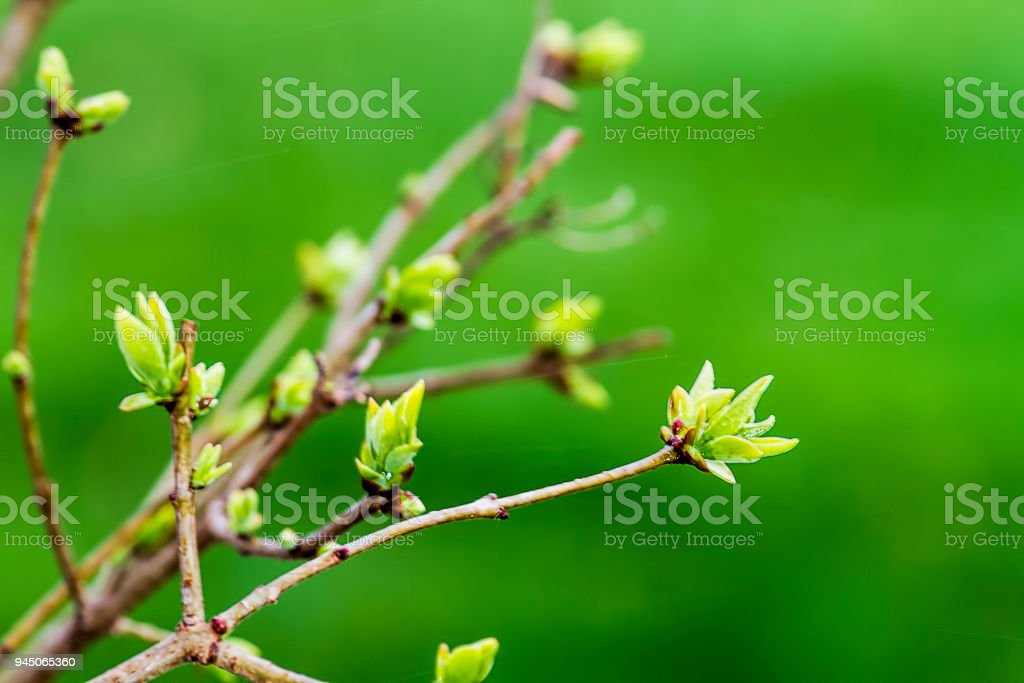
<point x="238" y="661"/>
<point x="140" y="630"/>
<point x="155" y="661"/>
<point x="23" y="383"/>
<point x="533" y="366"/>
<point x="488" y="507"/>
<point x="526" y="94"/>
<point x="552" y="155"/>
<point x="184" y="499"/>
<point x="26" y="20"/>
<point x="397" y="223"/>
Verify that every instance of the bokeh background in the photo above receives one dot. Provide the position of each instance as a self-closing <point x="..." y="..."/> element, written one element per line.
<point x="848" y="182"/>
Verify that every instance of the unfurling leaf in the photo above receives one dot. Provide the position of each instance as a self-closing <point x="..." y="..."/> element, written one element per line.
<point x="207" y="468"/>
<point x="467" y="663"/>
<point x="390" y="442"/>
<point x="708" y="428"/>
<point x="325" y="270"/>
<point x="293" y="388"/>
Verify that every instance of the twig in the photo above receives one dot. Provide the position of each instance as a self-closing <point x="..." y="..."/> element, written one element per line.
<point x="532" y="366"/>
<point x="522" y="102"/>
<point x="489" y="507"/>
<point x="184" y="499"/>
<point x="140" y="630"/>
<point x="552" y="155"/>
<point x="23" y="383"/>
<point x="24" y="23"/>
<point x="397" y="223"/>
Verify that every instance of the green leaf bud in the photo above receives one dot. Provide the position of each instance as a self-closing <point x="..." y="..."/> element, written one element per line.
<point x="390" y="442"/>
<point x="294" y="386"/>
<point x="243" y="513"/>
<point x="325" y="270"/>
<point x="16" y="364"/>
<point x="467" y="663"/>
<point x="207" y="468"/>
<point x="410" y="294"/>
<point x="607" y="50"/>
<point x="98" y="111"/>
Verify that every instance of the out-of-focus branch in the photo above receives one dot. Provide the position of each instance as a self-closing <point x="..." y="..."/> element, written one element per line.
<point x="552" y="155"/>
<point x="25" y="21"/>
<point x="532" y="366"/>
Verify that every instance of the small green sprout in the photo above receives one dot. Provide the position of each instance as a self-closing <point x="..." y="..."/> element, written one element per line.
<point x="467" y="663"/>
<point x="607" y="50"/>
<point x="567" y="327"/>
<point x="558" y="40"/>
<point x="294" y="386"/>
<point x="711" y="428"/>
<point x="243" y="510"/>
<point x="151" y="351"/>
<point x="408" y="505"/>
<point x="16" y="364"/>
<point x="207" y="468"/>
<point x="566" y="331"/>
<point x="88" y="115"/>
<point x="410" y="295"/>
<point x="386" y="456"/>
<point x="203" y="387"/>
<point x="325" y="270"/>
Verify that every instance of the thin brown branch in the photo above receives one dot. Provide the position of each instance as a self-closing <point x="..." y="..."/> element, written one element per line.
<point x="398" y="222"/>
<point x="140" y="630"/>
<point x="184" y="499"/>
<point x="24" y="383"/>
<point x="531" y="366"/>
<point x="154" y="661"/>
<point x="237" y="661"/>
<point x="518" y="114"/>
<point x="26" y="20"/>
<point x="552" y="155"/>
<point x="488" y="507"/>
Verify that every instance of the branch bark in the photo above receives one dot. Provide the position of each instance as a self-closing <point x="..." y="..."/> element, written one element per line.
<point x="184" y="499"/>
<point x="488" y="507"/>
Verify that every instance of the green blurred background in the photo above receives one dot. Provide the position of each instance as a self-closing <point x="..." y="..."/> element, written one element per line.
<point x="849" y="182"/>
